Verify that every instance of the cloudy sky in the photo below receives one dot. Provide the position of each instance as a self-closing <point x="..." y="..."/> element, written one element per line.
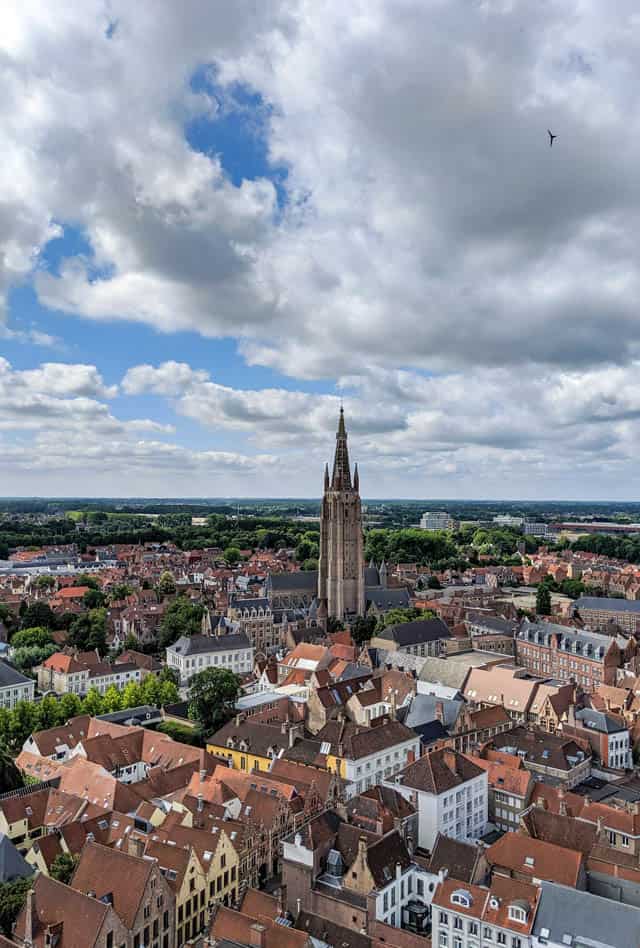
<point x="218" y="219"/>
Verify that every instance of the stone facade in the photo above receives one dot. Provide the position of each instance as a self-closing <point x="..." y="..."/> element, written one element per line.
<point x="341" y="568"/>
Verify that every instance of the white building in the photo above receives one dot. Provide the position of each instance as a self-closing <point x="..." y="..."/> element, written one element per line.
<point x="436" y="520"/>
<point x="14" y="687"/>
<point x="536" y="529"/>
<point x="466" y="916"/>
<point x="194" y="653"/>
<point x="364" y="768"/>
<point x="450" y="793"/>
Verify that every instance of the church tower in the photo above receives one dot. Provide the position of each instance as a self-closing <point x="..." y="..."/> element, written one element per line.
<point x="341" y="566"/>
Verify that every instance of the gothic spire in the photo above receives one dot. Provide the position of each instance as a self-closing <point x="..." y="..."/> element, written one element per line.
<point x="356" y="479"/>
<point x="341" y="479"/>
<point x="326" y="477"/>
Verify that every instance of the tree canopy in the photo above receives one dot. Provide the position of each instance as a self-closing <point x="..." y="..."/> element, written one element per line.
<point x="212" y="697"/>
<point x="182" y="617"/>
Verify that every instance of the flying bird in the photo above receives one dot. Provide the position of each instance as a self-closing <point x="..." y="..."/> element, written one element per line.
<point x="551" y="137"/>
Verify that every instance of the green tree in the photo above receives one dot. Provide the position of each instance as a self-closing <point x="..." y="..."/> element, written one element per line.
<point x="232" y="556"/>
<point x="112" y="700"/>
<point x="70" y="707"/>
<point x="572" y="587"/>
<point x="45" y="582"/>
<point x="362" y="629"/>
<point x="13" y="895"/>
<point x="24" y="721"/>
<point x="89" y="631"/>
<point x="169" y="694"/>
<point x="27" y="658"/>
<point x="132" y="695"/>
<point x="5" y="725"/>
<point x="84" y="579"/>
<point x="396" y="616"/>
<point x="150" y="689"/>
<point x="119" y="591"/>
<point x="28" y="637"/>
<point x="92" y="703"/>
<point x="10" y="776"/>
<point x="212" y="697"/>
<point x="169" y="674"/>
<point x="38" y="614"/>
<point x="94" y="599"/>
<point x="182" y="617"/>
<point x="166" y="584"/>
<point x="63" y="867"/>
<point x="543" y="600"/>
<point x="50" y="713"/>
<point x="433" y="582"/>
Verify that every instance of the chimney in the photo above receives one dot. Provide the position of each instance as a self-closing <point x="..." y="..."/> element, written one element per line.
<point x="28" y="919"/>
<point x="562" y="806"/>
<point x="362" y="848"/>
<point x="203" y="776"/>
<point x="450" y="760"/>
<point x="200" y="803"/>
<point x="258" y="935"/>
<point x="440" y="711"/>
<point x="135" y="846"/>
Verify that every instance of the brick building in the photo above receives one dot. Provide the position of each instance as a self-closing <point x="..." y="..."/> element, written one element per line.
<point x="586" y="657"/>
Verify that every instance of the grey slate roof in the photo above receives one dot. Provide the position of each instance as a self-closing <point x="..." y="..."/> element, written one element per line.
<point x="299" y="581"/>
<point x="593" y="645"/>
<point x="416" y="632"/>
<point x="576" y="918"/>
<point x="386" y="599"/>
<point x="600" y="721"/>
<point x="200" y="644"/>
<point x="9" y="676"/>
<point x="599" y="603"/>
<point x="12" y="863"/>
<point x="257" y="603"/>
<point x="422" y="710"/>
<point x="494" y="623"/>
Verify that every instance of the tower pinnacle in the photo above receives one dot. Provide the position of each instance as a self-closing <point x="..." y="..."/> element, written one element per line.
<point x="341" y="479"/>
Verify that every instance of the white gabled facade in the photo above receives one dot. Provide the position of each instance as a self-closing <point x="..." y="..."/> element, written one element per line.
<point x="454" y="803"/>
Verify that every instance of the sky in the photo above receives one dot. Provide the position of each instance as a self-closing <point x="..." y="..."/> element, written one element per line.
<point x="218" y="221"/>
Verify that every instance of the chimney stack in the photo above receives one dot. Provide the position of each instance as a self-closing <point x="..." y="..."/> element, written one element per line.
<point x="258" y="935"/>
<point x="28" y="920"/>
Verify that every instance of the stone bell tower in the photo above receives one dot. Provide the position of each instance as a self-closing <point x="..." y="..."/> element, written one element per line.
<point x="341" y="566"/>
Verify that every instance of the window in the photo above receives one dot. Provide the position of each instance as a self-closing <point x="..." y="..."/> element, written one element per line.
<point x="487" y="933"/>
<point x="517" y="914"/>
<point x="109" y="943"/>
<point x="473" y="928"/>
<point x="443" y="941"/>
<point x="443" y="918"/>
<point x="624" y="840"/>
<point x="457" y="923"/>
<point x="501" y="938"/>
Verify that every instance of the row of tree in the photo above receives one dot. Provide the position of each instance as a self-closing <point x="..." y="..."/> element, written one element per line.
<point x="30" y="716"/>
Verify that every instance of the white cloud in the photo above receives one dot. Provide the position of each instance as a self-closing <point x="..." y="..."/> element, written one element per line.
<point x="473" y="289"/>
<point x="428" y="225"/>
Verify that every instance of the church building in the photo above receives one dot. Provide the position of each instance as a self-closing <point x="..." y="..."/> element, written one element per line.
<point x="341" y="578"/>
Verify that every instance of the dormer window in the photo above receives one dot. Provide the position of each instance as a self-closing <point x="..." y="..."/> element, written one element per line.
<point x="518" y="913"/>
<point x="462" y="897"/>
